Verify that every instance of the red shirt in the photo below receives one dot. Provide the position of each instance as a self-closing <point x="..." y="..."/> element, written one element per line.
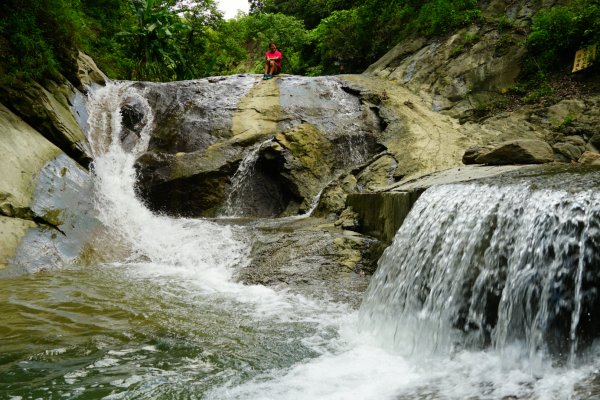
<point x="277" y="55"/>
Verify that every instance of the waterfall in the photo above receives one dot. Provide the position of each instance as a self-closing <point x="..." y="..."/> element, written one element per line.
<point x="235" y="205"/>
<point x="479" y="265"/>
<point x="190" y="245"/>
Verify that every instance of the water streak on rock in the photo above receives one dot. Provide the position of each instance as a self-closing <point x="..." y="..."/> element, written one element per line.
<point x="240" y="182"/>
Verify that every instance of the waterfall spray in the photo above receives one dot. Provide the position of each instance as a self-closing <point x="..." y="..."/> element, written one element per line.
<point x="195" y="245"/>
<point x="476" y="265"/>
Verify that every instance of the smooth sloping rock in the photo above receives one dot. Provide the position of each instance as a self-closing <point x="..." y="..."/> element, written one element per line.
<point x="420" y="140"/>
<point x="48" y="197"/>
<point x="24" y="153"/>
<point x="12" y="231"/>
<point x="518" y="152"/>
<point x="47" y="109"/>
<point x="63" y="205"/>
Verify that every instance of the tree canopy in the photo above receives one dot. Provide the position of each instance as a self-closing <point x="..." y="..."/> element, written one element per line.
<point x="163" y="40"/>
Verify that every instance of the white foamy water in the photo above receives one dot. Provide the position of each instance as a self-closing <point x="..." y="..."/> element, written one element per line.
<point x="405" y="344"/>
<point x="184" y="246"/>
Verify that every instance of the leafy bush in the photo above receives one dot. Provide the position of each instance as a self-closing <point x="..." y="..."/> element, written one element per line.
<point x="558" y="32"/>
<point x="38" y="38"/>
<point x="441" y="16"/>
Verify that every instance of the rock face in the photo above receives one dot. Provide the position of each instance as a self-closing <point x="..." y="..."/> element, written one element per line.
<point x="464" y="75"/>
<point x="48" y="109"/>
<point x="209" y="129"/>
<point x="466" y="71"/>
<point x="46" y="214"/>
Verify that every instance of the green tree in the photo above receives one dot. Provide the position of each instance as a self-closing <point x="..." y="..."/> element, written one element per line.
<point x="156" y="53"/>
<point x="104" y="18"/>
<point x="239" y="45"/>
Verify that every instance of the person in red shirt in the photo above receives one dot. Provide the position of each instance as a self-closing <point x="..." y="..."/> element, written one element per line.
<point x="273" y="62"/>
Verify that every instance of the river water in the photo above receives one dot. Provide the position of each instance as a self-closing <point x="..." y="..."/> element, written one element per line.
<point x="166" y="321"/>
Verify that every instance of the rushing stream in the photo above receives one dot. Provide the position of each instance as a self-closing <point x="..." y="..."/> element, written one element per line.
<point x="463" y="305"/>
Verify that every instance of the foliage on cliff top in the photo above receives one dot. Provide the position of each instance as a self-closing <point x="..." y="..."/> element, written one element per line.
<point x="38" y="38"/>
<point x="556" y="33"/>
<point x="171" y="39"/>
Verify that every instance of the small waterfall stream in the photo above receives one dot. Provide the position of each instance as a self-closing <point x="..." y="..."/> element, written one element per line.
<point x="235" y="205"/>
<point x="476" y="266"/>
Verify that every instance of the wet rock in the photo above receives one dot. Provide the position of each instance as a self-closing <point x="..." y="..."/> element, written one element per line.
<point x="45" y="201"/>
<point x="312" y="257"/>
<point x="518" y="152"/>
<point x="63" y="208"/>
<point x="303" y="148"/>
<point x="191" y="116"/>
<point x="48" y="109"/>
<point x="12" y="231"/>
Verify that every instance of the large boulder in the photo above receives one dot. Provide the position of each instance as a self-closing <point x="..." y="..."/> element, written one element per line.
<point x="525" y="151"/>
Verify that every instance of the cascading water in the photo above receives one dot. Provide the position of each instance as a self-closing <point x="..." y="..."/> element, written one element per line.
<point x="474" y="266"/>
<point x="178" y="242"/>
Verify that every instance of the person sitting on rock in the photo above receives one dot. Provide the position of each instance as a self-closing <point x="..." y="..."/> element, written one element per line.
<point x="273" y="62"/>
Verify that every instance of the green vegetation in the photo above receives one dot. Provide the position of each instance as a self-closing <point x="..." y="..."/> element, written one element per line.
<point x="558" y="32"/>
<point x="164" y="40"/>
<point x="38" y="38"/>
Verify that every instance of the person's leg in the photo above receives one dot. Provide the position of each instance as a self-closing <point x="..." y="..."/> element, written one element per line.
<point x="267" y="66"/>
